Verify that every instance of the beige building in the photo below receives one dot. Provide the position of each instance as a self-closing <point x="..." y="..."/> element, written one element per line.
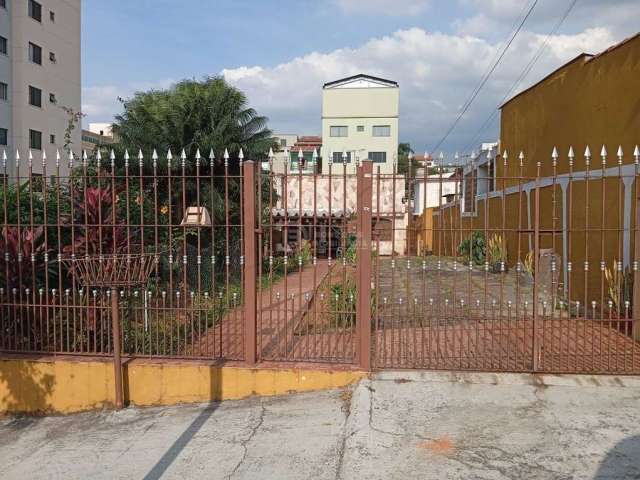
<point x="39" y="78"/>
<point x="360" y="119"/>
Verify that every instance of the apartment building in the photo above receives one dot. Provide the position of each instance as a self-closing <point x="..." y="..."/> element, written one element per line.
<point x="360" y="121"/>
<point x="39" y="78"/>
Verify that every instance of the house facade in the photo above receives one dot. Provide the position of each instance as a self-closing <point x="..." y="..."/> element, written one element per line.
<point x="360" y="121"/>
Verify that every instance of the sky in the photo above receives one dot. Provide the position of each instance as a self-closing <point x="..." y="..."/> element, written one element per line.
<point x="280" y="52"/>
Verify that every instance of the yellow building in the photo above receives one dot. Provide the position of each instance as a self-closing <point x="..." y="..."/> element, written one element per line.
<point x="583" y="210"/>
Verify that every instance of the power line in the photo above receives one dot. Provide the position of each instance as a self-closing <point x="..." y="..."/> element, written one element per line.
<point x="476" y="91"/>
<point x="541" y="50"/>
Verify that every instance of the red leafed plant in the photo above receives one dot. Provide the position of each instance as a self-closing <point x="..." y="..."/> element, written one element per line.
<point x="101" y="232"/>
<point x="22" y="243"/>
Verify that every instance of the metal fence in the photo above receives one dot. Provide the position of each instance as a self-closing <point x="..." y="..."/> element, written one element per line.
<point x="500" y="264"/>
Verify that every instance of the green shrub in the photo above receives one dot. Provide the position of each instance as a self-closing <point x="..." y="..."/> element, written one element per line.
<point x="474" y="249"/>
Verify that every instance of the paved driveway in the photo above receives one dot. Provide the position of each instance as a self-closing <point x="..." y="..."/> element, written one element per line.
<point x="398" y="425"/>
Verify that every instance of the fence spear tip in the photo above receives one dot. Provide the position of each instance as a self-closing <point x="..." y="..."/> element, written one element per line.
<point x="169" y="154"/>
<point x="226" y="154"/>
<point x="619" y="153"/>
<point x="112" y="155"/>
<point x="211" y="154"/>
<point x="126" y="154"/>
<point x="505" y="154"/>
<point x="44" y="155"/>
<point x="140" y="156"/>
<point x="17" y="154"/>
<point x="554" y="153"/>
<point x="4" y="154"/>
<point x="30" y="155"/>
<point x="300" y="154"/>
<point x="571" y="154"/>
<point x="241" y="154"/>
<point x="636" y="151"/>
<point x="198" y="154"/>
<point x="183" y="154"/>
<point x="270" y="152"/>
<point x="315" y="154"/>
<point x="587" y="152"/>
<point x="154" y="155"/>
<point x="603" y="152"/>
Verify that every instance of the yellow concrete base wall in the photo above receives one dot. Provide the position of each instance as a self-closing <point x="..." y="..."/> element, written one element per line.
<point x="66" y="386"/>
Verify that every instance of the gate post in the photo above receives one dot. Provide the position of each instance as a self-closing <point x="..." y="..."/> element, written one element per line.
<point x="537" y="342"/>
<point x="636" y="260"/>
<point x="250" y="261"/>
<point x="363" y="264"/>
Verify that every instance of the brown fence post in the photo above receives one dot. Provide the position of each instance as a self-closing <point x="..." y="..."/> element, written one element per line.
<point x="636" y="259"/>
<point x="363" y="266"/>
<point x="250" y="261"/>
<point x="537" y="341"/>
<point x="117" y="360"/>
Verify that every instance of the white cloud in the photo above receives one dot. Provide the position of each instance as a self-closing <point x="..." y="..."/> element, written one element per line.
<point x="436" y="73"/>
<point x="386" y="7"/>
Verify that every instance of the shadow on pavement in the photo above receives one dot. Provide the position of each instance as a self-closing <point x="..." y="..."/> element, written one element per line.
<point x="183" y="440"/>
<point x="622" y="461"/>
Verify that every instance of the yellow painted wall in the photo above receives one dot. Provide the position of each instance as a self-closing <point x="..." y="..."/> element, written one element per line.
<point x="66" y="386"/>
<point x="591" y="101"/>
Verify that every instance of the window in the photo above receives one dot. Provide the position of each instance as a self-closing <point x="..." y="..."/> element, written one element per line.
<point x="4" y="134"/>
<point x="3" y="3"/>
<point x="378" y="157"/>
<point x="339" y="131"/>
<point x="4" y="91"/>
<point x="52" y="57"/>
<point x="283" y="142"/>
<point x="52" y="16"/>
<point x="35" y="53"/>
<point x="35" y="139"/>
<point x="52" y="98"/>
<point x="360" y="128"/>
<point x="35" y="96"/>
<point x="52" y="139"/>
<point x="381" y="131"/>
<point x="35" y="10"/>
<point x="3" y="45"/>
<point x="337" y="157"/>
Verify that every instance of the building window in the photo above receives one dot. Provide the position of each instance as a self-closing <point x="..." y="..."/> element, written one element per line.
<point x="4" y="134"/>
<point x="337" y="157"/>
<point x="338" y="131"/>
<point x="35" y="10"/>
<point x="35" y="53"/>
<point x="360" y="128"/>
<point x="382" y="131"/>
<point x="35" y="139"/>
<point x="378" y="157"/>
<point x="52" y="16"/>
<point x="283" y="142"/>
<point x="3" y="45"/>
<point x="52" y="57"/>
<point x="3" y="3"/>
<point x="52" y="139"/>
<point x="52" y="98"/>
<point x="4" y="91"/>
<point x="35" y="96"/>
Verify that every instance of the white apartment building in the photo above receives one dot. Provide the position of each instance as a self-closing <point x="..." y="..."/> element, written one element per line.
<point x="39" y="75"/>
<point x="360" y="118"/>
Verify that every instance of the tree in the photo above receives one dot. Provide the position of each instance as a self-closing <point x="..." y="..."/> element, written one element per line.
<point x="208" y="114"/>
<point x="205" y="115"/>
<point x="404" y="149"/>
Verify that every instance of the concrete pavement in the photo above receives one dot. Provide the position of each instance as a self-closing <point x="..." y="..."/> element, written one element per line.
<point x="425" y="425"/>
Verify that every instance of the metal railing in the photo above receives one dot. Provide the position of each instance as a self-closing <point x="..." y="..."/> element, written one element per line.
<point x="496" y="265"/>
